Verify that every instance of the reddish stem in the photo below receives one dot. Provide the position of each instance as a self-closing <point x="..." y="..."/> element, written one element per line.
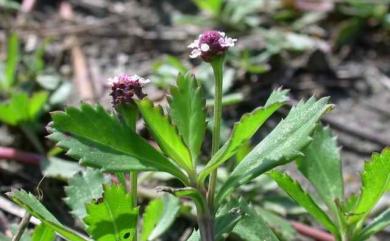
<point x="9" y="153"/>
<point x="312" y="232"/>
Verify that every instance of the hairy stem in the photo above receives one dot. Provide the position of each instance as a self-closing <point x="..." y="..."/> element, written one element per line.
<point x="205" y="221"/>
<point x="217" y="66"/>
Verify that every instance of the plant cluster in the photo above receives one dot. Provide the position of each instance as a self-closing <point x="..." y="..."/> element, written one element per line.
<point x="108" y="142"/>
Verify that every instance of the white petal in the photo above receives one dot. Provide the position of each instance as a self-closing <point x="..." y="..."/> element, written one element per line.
<point x="227" y="42"/>
<point x="143" y="81"/>
<point x="223" y="34"/>
<point x="194" y="44"/>
<point x="195" y="53"/>
<point x="204" y="47"/>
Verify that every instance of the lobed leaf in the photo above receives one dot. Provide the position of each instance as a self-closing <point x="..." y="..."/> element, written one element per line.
<point x="159" y="216"/>
<point x="165" y="133"/>
<point x="321" y="165"/>
<point x="188" y="112"/>
<point x="83" y="188"/>
<point x="33" y="206"/>
<point x="112" y="218"/>
<point x="281" y="146"/>
<point x="43" y="233"/>
<point x="100" y="140"/>
<point x="244" y="130"/>
<point x="375" y="182"/>
<point x="295" y="191"/>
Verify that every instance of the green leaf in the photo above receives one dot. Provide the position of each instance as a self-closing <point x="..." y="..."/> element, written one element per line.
<point x="281" y="146"/>
<point x="43" y="233"/>
<point x="36" y="103"/>
<point x="82" y="189"/>
<point x="21" y="108"/>
<point x="212" y="6"/>
<point x="295" y="191"/>
<point x="375" y="182"/>
<point x="378" y="224"/>
<point x="15" y="110"/>
<point x="252" y="227"/>
<point x="188" y="112"/>
<point x="244" y="130"/>
<point x="159" y="216"/>
<point x="13" y="57"/>
<point x="227" y="218"/>
<point x="4" y="238"/>
<point x="59" y="168"/>
<point x="33" y="206"/>
<point x="100" y="140"/>
<point x="165" y="133"/>
<point x="279" y="225"/>
<point x="112" y="218"/>
<point x="321" y="165"/>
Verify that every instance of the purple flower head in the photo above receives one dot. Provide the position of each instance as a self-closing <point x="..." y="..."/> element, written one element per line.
<point x="124" y="87"/>
<point x="210" y="44"/>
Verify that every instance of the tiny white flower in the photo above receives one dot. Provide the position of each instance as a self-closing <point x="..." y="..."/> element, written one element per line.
<point x="195" y="53"/>
<point x="204" y="47"/>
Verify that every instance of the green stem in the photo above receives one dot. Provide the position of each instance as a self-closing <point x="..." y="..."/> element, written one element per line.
<point x="134" y="185"/>
<point x="217" y="66"/>
<point x="33" y="138"/>
<point x="205" y="220"/>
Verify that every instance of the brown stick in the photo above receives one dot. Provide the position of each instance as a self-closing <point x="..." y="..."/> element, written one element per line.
<point x="312" y="232"/>
<point x="82" y="78"/>
<point x="29" y="158"/>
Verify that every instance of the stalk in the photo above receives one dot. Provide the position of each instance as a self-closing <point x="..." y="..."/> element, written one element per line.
<point x="205" y="220"/>
<point x="129" y="114"/>
<point x="217" y="66"/>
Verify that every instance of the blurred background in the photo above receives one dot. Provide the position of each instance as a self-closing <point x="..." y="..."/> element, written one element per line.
<point x="58" y="53"/>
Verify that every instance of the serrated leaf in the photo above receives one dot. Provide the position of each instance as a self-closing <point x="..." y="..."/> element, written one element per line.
<point x="296" y="192"/>
<point x="281" y="146"/>
<point x="112" y="218"/>
<point x="159" y="216"/>
<point x="321" y="165"/>
<point x="43" y="233"/>
<point x="375" y="182"/>
<point x="100" y="140"/>
<point x="378" y="224"/>
<point x="244" y="130"/>
<point x="59" y="168"/>
<point x="165" y="133"/>
<point x="188" y="112"/>
<point x="82" y="189"/>
<point x="33" y="206"/>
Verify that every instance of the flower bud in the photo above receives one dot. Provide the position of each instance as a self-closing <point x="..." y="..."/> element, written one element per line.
<point x="125" y="87"/>
<point x="211" y="44"/>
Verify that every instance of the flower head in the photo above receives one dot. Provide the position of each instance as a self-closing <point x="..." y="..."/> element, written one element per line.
<point x="124" y="87"/>
<point x="210" y="44"/>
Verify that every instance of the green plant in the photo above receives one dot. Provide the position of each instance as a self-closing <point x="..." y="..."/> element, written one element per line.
<point x="109" y="142"/>
<point x="320" y="163"/>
